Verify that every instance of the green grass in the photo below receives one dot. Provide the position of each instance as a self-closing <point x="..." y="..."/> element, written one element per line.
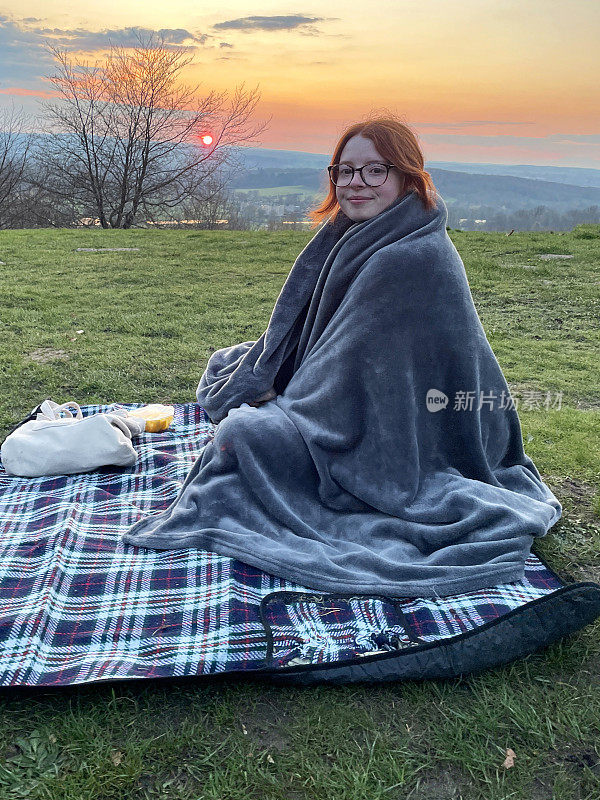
<point x="151" y="319"/>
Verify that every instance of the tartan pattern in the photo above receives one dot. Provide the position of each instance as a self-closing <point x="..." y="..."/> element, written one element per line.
<point x="314" y="629"/>
<point x="438" y="618"/>
<point x="77" y="605"/>
<point x="359" y="626"/>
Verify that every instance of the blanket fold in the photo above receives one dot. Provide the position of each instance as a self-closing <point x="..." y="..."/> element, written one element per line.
<point x="391" y="459"/>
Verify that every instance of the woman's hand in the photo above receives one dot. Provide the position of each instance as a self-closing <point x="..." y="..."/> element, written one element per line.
<point x="264" y="398"/>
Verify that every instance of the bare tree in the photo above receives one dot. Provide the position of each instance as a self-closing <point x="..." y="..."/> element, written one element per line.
<point x="128" y="136"/>
<point x="208" y="201"/>
<point x="15" y="143"/>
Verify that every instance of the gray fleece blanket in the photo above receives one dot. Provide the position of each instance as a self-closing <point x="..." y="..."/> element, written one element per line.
<point x="391" y="459"/>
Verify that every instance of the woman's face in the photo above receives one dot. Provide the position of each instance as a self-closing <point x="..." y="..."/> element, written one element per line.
<point x="372" y="200"/>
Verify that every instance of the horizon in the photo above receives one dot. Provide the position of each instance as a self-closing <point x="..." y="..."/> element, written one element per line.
<point x="497" y="82"/>
<point x="439" y="161"/>
<point x="427" y="161"/>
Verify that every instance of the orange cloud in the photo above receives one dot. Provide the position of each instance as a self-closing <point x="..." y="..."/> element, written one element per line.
<point x="17" y="91"/>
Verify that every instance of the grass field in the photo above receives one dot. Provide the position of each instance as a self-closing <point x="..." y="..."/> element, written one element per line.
<point x="140" y="326"/>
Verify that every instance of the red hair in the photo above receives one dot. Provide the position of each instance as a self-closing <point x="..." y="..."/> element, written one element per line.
<point x="397" y="143"/>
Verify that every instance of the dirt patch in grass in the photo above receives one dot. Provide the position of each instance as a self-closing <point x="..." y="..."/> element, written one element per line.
<point x="265" y="724"/>
<point x="45" y="354"/>
<point x="446" y="783"/>
<point x="578" y="758"/>
<point x="589" y="405"/>
<point x="579" y="495"/>
<point x="164" y="784"/>
<point x="578" y="489"/>
<point x="586" y="572"/>
<point x="579" y="766"/>
<point x="541" y="791"/>
<point x="388" y="709"/>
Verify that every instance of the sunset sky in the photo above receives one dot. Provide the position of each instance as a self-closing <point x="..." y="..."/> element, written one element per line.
<point x="501" y="81"/>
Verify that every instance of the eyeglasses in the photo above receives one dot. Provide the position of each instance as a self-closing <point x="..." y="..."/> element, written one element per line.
<point x="374" y="174"/>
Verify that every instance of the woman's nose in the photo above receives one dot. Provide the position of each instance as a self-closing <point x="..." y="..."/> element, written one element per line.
<point x="357" y="180"/>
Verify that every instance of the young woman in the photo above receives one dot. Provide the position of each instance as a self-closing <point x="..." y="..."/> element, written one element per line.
<point x="365" y="180"/>
<point x="367" y="441"/>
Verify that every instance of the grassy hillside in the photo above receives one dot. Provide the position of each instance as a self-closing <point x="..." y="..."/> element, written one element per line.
<point x="139" y="326"/>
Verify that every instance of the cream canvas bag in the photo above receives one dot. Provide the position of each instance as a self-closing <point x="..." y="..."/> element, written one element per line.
<point x="57" y="442"/>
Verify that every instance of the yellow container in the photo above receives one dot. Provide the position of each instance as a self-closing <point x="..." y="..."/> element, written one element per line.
<point x="158" y="417"/>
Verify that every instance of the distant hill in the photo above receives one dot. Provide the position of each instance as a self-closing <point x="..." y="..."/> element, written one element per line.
<point x="575" y="176"/>
<point x="313" y="180"/>
<point x="508" y="192"/>
<point x="470" y="190"/>
<point x="260" y="158"/>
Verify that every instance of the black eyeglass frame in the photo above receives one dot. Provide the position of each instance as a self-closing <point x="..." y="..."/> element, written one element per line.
<point x="360" y="172"/>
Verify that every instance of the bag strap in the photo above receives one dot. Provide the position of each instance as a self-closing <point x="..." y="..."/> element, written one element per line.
<point x="52" y="411"/>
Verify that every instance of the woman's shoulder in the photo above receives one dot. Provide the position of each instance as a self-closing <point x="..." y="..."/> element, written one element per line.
<point x="433" y="246"/>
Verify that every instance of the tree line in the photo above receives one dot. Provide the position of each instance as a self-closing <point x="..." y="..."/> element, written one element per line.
<point x="540" y="218"/>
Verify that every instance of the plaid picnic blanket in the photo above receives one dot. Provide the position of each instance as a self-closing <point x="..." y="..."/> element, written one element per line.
<point x="78" y="606"/>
